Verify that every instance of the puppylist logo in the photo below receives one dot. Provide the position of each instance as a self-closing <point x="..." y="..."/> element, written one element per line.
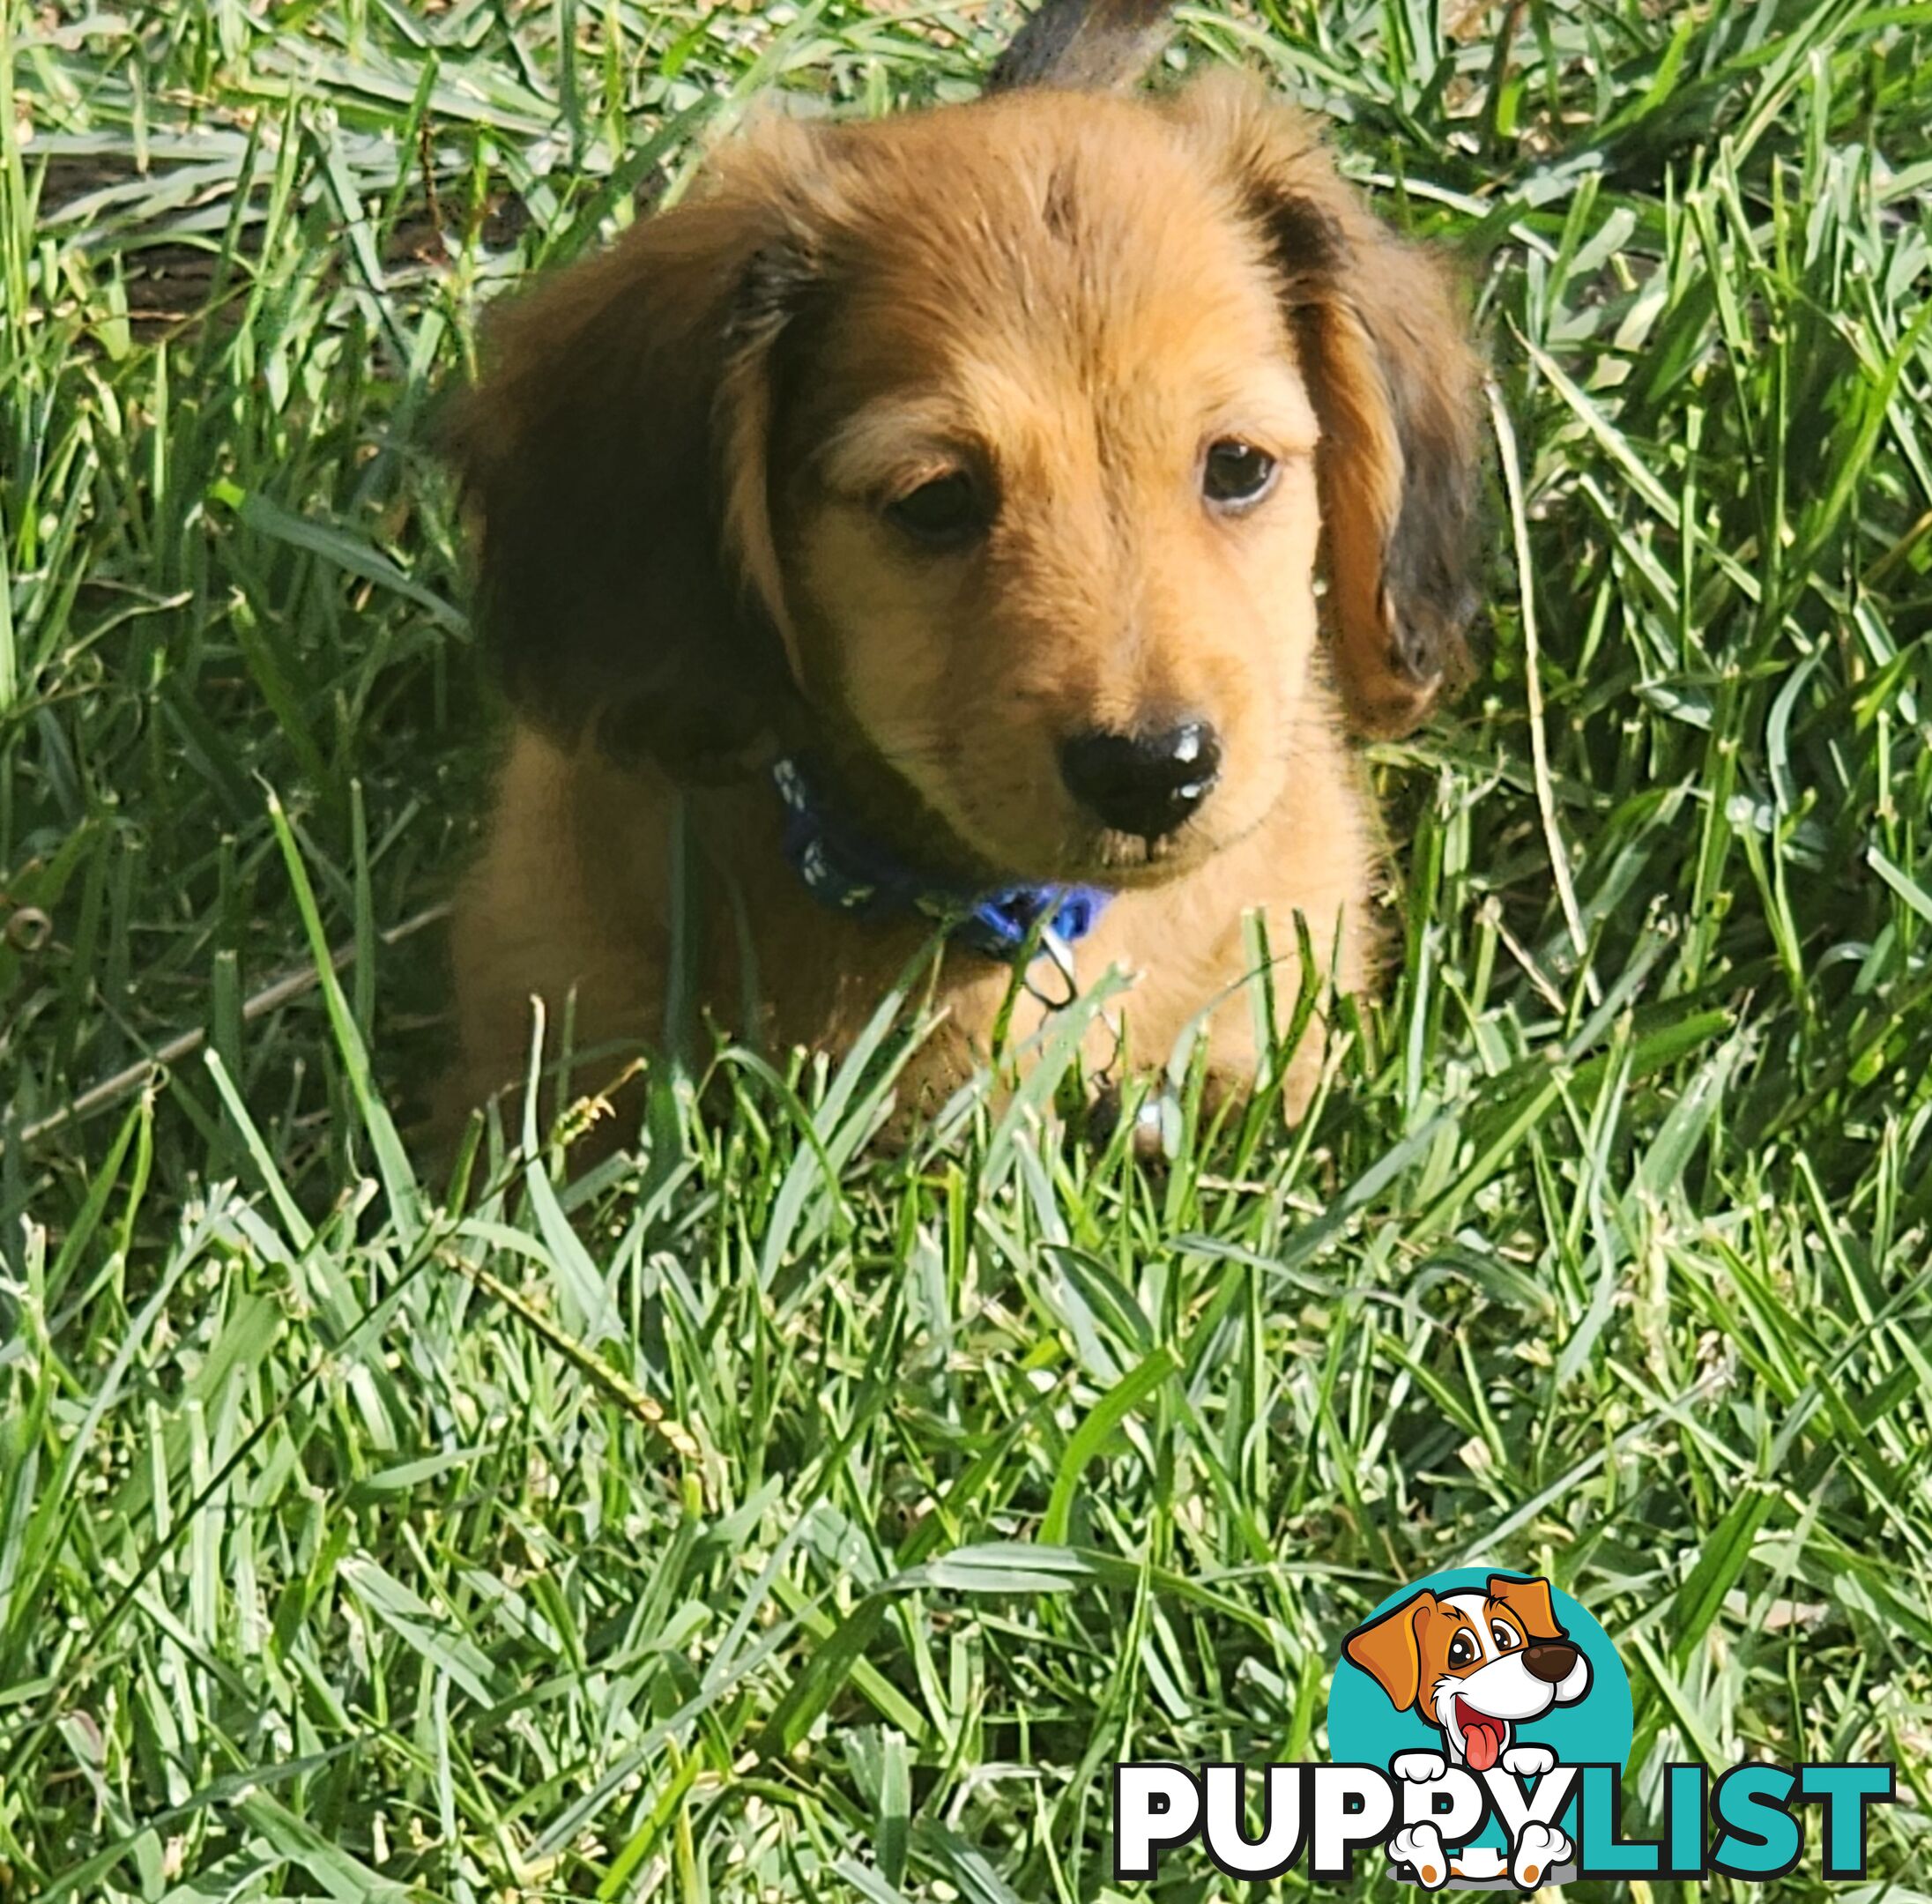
<point x="1480" y="1723"/>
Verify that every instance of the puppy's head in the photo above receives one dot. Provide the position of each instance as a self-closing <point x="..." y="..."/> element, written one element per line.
<point x="1477" y="1664"/>
<point x="991" y="452"/>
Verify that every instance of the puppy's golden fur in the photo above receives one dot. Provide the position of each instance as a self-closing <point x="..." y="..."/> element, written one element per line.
<point x="683" y="453"/>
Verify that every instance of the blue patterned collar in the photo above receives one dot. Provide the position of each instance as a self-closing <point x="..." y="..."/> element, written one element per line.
<point x="842" y="869"/>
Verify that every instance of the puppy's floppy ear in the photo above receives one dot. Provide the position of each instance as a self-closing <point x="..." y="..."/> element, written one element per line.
<point x="1091" y="46"/>
<point x="1385" y="350"/>
<point x="1529" y="1600"/>
<point x="1389" y="1649"/>
<point x="614" y="450"/>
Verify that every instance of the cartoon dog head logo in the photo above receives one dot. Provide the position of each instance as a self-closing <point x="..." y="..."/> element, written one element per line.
<point x="1475" y="1665"/>
<point x="1477" y="1690"/>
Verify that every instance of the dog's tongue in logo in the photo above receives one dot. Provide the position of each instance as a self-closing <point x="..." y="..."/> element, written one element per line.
<point x="1482" y="1736"/>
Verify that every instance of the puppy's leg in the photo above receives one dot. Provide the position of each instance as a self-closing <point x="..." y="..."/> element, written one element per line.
<point x="541" y="917"/>
<point x="1539" y="1850"/>
<point x="1419" y="1847"/>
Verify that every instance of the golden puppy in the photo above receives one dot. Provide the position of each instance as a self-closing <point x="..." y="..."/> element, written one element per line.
<point x="922" y="521"/>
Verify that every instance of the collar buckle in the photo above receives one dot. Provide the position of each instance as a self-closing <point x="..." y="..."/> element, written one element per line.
<point x="1052" y="952"/>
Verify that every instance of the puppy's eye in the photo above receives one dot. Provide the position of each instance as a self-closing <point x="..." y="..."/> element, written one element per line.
<point x="943" y="513"/>
<point x="1461" y="1649"/>
<point x="1236" y="474"/>
<point x="1505" y="1637"/>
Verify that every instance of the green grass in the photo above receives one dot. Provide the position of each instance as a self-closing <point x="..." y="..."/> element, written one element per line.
<point x="365" y="1536"/>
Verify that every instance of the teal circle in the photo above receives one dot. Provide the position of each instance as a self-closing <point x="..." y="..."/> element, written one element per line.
<point x="1365" y="1728"/>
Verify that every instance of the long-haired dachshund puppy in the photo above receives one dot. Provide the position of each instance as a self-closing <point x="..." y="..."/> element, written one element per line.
<point x="996" y="516"/>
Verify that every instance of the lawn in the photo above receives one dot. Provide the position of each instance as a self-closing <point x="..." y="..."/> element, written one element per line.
<point x="765" y="1517"/>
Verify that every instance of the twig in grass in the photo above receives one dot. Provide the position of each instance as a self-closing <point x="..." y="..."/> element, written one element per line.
<point x="1533" y="683"/>
<point x="1499" y="72"/>
<point x="1492" y="912"/>
<point x="426" y="157"/>
<point x="279" y="992"/>
<point x="588" y="1364"/>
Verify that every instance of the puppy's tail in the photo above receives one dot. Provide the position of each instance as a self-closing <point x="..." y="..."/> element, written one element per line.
<point x="1085" y="46"/>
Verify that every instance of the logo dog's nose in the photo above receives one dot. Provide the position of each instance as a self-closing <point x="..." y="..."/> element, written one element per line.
<point x="1145" y="783"/>
<point x="1552" y="1661"/>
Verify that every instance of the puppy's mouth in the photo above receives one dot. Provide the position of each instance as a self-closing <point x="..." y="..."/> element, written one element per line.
<point x="1129" y="859"/>
<point x="1118" y="862"/>
<point x="1484" y="1736"/>
<point x="1083" y="854"/>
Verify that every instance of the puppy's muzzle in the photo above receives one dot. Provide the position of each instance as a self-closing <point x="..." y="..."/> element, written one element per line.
<point x="1146" y="782"/>
<point x="1552" y="1661"/>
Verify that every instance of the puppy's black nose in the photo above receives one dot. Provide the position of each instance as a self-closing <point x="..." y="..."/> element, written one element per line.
<point x="1142" y="783"/>
<point x="1552" y="1661"/>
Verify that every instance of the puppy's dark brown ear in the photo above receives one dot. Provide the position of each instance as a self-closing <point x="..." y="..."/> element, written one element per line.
<point x="1087" y="45"/>
<point x="614" y="453"/>
<point x="1386" y="353"/>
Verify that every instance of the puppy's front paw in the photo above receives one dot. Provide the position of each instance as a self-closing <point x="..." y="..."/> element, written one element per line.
<point x="1528" y="1761"/>
<point x="1419" y="1768"/>
<point x="1539" y="1850"/>
<point x="1419" y="1847"/>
